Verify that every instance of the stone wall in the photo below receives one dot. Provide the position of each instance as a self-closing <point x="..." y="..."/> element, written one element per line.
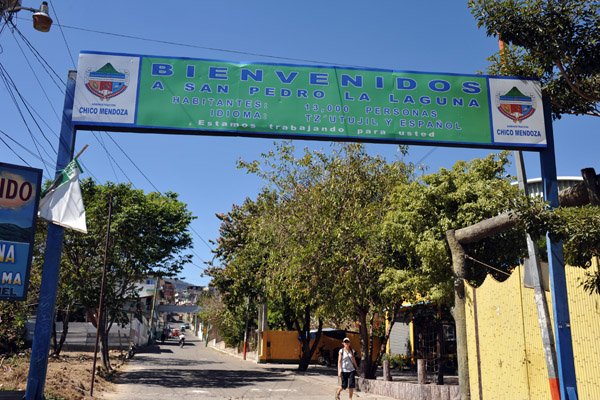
<point x="409" y="391"/>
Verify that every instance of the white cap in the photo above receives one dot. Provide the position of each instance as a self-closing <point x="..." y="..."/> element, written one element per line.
<point x="346" y="340"/>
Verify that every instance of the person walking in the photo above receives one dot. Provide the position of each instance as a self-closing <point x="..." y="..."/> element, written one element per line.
<point x="347" y="369"/>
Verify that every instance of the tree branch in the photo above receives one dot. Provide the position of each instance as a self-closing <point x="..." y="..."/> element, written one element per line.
<point x="572" y="85"/>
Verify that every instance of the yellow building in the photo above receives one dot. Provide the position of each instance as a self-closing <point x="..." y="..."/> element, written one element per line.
<point x="506" y="357"/>
<point x="285" y="347"/>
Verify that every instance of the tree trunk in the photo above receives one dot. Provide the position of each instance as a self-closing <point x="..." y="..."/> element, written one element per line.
<point x="307" y="349"/>
<point x="103" y="336"/>
<point x="367" y="369"/>
<point x="440" y="360"/>
<point x="57" y="347"/>
<point x="458" y="311"/>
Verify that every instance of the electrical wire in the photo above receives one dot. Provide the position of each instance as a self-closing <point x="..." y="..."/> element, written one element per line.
<point x="15" y="89"/>
<point x="24" y="148"/>
<point x="426" y="155"/>
<point x="11" y="149"/>
<point x="47" y="67"/>
<point x="12" y="95"/>
<point x="132" y="162"/>
<point x="247" y="53"/>
<point x="201" y="238"/>
<point x="44" y="63"/>
<point x="37" y="79"/>
<point x="63" y="34"/>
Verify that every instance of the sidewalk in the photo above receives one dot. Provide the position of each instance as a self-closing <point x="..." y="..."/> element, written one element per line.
<point x="328" y="375"/>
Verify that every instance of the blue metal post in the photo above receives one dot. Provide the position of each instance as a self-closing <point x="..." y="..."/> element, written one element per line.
<point x="49" y="286"/>
<point x="558" y="282"/>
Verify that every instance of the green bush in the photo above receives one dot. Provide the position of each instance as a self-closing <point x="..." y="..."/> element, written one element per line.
<point x="398" y="361"/>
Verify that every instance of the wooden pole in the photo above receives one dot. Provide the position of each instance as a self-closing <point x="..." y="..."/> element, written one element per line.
<point x="458" y="311"/>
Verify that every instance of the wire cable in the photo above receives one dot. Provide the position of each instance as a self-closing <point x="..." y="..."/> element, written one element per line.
<point x="37" y="79"/>
<point x="47" y="67"/>
<point x="468" y="257"/>
<point x="201" y="238"/>
<point x="26" y="149"/>
<point x="134" y="164"/>
<point x="14" y="87"/>
<point x="14" y="152"/>
<point x="247" y="53"/>
<point x="12" y="95"/>
<point x="63" y="34"/>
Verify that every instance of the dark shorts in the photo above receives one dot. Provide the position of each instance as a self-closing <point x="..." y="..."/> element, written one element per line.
<point x="348" y="380"/>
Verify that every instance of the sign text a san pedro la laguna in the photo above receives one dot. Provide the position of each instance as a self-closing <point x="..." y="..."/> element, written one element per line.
<point x="181" y="95"/>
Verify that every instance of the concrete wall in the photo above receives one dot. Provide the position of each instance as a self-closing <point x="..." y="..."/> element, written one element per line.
<point x="506" y="357"/>
<point x="409" y="391"/>
<point x="82" y="336"/>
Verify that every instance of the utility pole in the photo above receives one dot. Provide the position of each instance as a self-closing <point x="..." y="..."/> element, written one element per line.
<point x="101" y="305"/>
<point x="246" y="329"/>
<point x="153" y="307"/>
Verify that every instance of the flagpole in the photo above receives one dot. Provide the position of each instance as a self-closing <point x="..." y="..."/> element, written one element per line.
<point x="82" y="150"/>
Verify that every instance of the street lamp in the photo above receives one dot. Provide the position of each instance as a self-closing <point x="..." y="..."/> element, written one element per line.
<point x="41" y="19"/>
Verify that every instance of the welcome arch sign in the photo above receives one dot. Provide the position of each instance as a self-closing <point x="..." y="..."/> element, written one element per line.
<point x="137" y="93"/>
<point x="196" y="96"/>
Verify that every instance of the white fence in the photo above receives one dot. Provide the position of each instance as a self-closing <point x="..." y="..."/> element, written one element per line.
<point x="82" y="335"/>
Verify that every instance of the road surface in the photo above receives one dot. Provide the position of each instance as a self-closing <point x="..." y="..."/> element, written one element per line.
<point x="166" y="371"/>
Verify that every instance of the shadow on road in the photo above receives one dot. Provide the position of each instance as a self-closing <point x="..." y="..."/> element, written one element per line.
<point x="209" y="378"/>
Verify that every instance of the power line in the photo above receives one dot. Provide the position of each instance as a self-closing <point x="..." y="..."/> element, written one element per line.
<point x="426" y="155"/>
<point x="24" y="148"/>
<point x="47" y="67"/>
<point x="14" y="87"/>
<point x="201" y="238"/>
<point x="3" y="74"/>
<point x="134" y="164"/>
<point x="209" y="48"/>
<point x="63" y="35"/>
<point x="36" y="78"/>
<point x="11" y="149"/>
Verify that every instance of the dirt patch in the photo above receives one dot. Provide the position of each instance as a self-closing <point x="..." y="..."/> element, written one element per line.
<point x="69" y="377"/>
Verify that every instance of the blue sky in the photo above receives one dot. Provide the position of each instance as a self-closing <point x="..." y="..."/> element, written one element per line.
<point x="428" y="36"/>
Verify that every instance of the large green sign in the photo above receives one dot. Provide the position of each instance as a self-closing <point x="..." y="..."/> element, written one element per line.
<point x="304" y="102"/>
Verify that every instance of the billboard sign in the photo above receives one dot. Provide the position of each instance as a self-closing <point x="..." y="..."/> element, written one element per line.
<point x="182" y="95"/>
<point x="19" y="197"/>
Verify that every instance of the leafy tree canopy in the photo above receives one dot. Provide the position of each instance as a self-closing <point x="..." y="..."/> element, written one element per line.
<point x="148" y="238"/>
<point x="554" y="40"/>
<point x="421" y="213"/>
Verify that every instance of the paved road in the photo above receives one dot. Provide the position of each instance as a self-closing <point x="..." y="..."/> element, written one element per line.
<point x="197" y="372"/>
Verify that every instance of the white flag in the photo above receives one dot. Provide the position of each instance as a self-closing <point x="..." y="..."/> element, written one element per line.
<point x="62" y="203"/>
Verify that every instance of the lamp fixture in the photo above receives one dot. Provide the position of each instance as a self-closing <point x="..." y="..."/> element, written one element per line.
<point x="41" y="17"/>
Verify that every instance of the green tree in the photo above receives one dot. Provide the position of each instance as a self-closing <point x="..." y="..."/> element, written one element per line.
<point x="148" y="237"/>
<point x="579" y="230"/>
<point x="236" y="271"/>
<point x="451" y="199"/>
<point x="326" y="251"/>
<point x="422" y="212"/>
<point x="554" y="40"/>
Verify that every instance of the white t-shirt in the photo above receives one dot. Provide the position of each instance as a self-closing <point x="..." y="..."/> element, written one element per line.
<point x="347" y="365"/>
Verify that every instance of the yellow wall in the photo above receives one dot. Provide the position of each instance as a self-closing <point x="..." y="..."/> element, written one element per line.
<point x="510" y="363"/>
<point x="285" y="346"/>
